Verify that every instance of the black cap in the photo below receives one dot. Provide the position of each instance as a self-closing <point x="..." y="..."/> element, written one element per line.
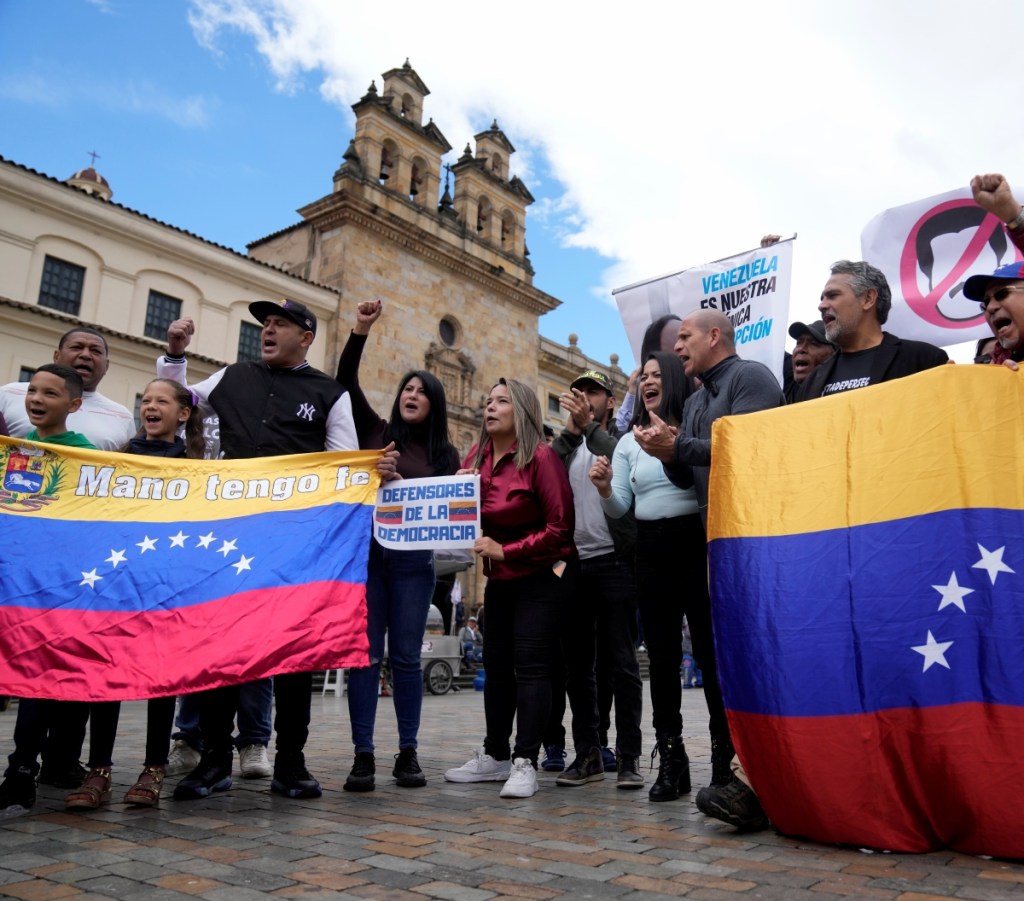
<point x="298" y="313"/>
<point x="815" y="329"/>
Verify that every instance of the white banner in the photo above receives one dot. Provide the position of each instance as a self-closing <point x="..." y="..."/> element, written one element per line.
<point x="927" y="249"/>
<point x="428" y="514"/>
<point x="751" y="288"/>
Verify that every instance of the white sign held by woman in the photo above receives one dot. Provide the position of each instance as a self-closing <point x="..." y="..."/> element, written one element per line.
<point x="428" y="514"/>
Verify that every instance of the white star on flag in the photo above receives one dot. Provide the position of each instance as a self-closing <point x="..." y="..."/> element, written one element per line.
<point x="148" y="543"/>
<point x="90" y="578"/>
<point x="953" y="594"/>
<point x="992" y="562"/>
<point x="933" y="652"/>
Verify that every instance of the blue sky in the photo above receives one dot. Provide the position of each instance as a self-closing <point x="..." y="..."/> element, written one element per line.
<point x="653" y="138"/>
<point x="207" y="141"/>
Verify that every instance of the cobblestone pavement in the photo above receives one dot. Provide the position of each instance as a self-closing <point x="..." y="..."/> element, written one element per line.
<point x="459" y="842"/>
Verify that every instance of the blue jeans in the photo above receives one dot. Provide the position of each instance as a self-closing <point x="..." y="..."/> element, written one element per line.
<point x="399" y="585"/>
<point x="254" y="705"/>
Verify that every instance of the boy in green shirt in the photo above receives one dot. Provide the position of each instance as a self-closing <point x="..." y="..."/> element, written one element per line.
<point x="54" y="393"/>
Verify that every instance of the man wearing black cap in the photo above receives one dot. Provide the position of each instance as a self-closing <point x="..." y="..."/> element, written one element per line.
<point x="599" y="634"/>
<point x="812" y="349"/>
<point x="280" y="405"/>
<point x="854" y="306"/>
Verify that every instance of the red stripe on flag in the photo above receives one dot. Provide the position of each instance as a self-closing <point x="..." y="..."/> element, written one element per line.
<point x="910" y="779"/>
<point x="82" y="655"/>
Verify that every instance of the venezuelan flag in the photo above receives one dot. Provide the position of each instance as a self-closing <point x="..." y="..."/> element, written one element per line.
<point x="867" y="576"/>
<point x="462" y="511"/>
<point x="130" y="577"/>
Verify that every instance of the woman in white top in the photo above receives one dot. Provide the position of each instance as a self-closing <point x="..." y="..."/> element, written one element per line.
<point x="671" y="559"/>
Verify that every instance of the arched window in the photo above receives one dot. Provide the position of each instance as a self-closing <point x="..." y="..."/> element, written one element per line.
<point x="483" y="217"/>
<point x="498" y="165"/>
<point x="388" y="160"/>
<point x="419" y="167"/>
<point x="508" y="230"/>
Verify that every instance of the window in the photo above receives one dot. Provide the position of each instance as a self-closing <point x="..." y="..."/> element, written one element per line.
<point x="136" y="411"/>
<point x="25" y="375"/>
<point x="554" y="408"/>
<point x="249" y="345"/>
<point x="161" y="311"/>
<point x="61" y="287"/>
<point x="449" y="330"/>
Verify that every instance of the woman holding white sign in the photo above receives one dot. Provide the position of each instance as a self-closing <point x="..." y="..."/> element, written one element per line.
<point x="527" y="519"/>
<point x="399" y="584"/>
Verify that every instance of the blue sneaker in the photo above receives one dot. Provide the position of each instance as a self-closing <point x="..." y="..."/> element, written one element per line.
<point x="554" y="759"/>
<point x="293" y="780"/>
<point x="608" y="757"/>
<point x="212" y="774"/>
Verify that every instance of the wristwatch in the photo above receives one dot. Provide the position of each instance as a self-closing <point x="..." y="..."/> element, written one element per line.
<point x="1017" y="221"/>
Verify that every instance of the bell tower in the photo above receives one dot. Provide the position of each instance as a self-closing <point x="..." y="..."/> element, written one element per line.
<point x="487" y="200"/>
<point x="392" y="147"/>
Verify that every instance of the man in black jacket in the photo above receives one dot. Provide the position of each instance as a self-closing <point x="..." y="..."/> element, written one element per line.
<point x="854" y="306"/>
<point x="279" y="405"/>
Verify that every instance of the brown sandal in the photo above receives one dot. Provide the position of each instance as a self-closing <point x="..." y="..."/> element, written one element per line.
<point x="93" y="793"/>
<point x="146" y="791"/>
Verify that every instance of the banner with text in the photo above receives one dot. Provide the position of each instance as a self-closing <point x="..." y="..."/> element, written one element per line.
<point x="927" y="249"/>
<point x="131" y="577"/>
<point x="751" y="288"/>
<point x="428" y="514"/>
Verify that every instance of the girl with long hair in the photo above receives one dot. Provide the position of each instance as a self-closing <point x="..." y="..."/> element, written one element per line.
<point x="166" y="408"/>
<point x="671" y="559"/>
<point x="527" y="519"/>
<point x="399" y="584"/>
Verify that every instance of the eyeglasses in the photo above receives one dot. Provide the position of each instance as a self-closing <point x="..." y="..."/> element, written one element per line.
<point x="999" y="295"/>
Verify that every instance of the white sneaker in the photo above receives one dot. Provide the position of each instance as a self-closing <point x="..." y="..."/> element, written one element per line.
<point x="522" y="781"/>
<point x="253" y="762"/>
<point x="183" y="758"/>
<point x="480" y="768"/>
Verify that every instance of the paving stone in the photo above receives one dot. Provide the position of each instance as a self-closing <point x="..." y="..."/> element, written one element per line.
<point x="444" y="841"/>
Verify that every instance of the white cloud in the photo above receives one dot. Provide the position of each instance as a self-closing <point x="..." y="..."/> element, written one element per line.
<point x="681" y="133"/>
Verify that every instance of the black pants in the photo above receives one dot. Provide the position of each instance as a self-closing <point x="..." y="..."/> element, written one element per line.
<point x="598" y="646"/>
<point x="523" y="617"/>
<point x="672" y="581"/>
<point x="103" y="721"/>
<point x="292" y="696"/>
<point x="53" y="729"/>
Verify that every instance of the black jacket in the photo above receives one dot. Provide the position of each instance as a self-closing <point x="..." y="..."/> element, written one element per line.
<point x="896" y="358"/>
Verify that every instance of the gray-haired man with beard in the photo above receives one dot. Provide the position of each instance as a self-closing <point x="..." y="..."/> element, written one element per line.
<point x="854" y="306"/>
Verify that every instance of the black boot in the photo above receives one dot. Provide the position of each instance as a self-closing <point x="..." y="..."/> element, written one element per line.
<point x="722" y="753"/>
<point x="673" y="771"/>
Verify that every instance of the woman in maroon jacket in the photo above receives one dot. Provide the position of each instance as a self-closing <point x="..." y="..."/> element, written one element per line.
<point x="399" y="584"/>
<point x="527" y="519"/>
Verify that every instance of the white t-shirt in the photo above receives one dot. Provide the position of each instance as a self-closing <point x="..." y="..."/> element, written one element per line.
<point x="106" y="424"/>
